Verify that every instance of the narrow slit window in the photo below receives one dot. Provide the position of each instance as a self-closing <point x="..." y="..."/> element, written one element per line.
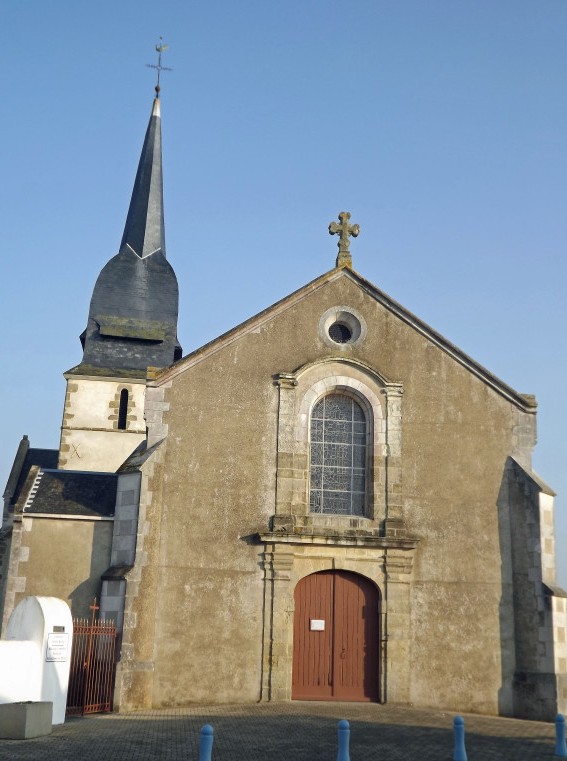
<point x="123" y="410"/>
<point x="338" y="456"/>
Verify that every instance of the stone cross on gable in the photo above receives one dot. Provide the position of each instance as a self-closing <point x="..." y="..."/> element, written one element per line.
<point x="344" y="230"/>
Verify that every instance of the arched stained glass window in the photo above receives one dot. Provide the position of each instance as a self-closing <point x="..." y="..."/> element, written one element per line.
<point x="338" y="456"/>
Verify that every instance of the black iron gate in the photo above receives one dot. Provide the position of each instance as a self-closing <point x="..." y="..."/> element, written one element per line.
<point x="93" y="665"/>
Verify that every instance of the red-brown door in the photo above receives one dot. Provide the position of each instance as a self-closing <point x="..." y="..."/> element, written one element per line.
<point x="336" y="638"/>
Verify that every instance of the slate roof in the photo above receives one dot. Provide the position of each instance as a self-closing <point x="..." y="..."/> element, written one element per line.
<point x="116" y="572"/>
<point x="534" y="477"/>
<point x="144" y="230"/>
<point x="132" y="321"/>
<point x="26" y="457"/>
<point x="72" y="493"/>
<point x="138" y="457"/>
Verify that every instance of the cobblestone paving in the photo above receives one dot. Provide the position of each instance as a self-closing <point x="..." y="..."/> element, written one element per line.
<point x="290" y="732"/>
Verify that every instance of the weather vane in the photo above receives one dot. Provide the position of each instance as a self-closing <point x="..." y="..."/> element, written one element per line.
<point x="161" y="48"/>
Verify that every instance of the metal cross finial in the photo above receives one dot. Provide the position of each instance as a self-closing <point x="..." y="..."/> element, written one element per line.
<point x="161" y="48"/>
<point x="343" y="230"/>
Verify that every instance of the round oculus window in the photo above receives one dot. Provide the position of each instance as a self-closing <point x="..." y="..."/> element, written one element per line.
<point x="341" y="326"/>
<point x="340" y="333"/>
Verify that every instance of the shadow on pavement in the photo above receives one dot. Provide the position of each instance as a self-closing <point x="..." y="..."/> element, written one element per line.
<point x="268" y="735"/>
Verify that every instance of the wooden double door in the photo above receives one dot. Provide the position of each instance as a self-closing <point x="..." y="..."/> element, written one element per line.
<point x="336" y="638"/>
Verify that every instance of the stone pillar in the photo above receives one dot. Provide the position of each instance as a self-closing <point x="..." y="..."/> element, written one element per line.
<point x="123" y="552"/>
<point x="397" y="625"/>
<point x="135" y="670"/>
<point x="394" y="523"/>
<point x="278" y="633"/>
<point x="558" y="605"/>
<point x="15" y="582"/>
<point x="154" y="407"/>
<point x="291" y="467"/>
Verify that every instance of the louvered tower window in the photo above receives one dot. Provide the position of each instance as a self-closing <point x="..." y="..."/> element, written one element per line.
<point x="338" y="456"/>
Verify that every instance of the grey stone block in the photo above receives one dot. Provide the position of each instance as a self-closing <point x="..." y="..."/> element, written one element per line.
<point x="22" y="721"/>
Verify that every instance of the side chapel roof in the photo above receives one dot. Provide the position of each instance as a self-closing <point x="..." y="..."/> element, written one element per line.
<point x="26" y="457"/>
<point x="72" y="493"/>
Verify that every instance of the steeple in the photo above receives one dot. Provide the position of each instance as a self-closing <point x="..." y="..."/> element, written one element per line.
<point x="132" y="320"/>
<point x="144" y="233"/>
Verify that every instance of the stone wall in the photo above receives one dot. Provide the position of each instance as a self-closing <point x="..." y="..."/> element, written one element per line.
<point x="539" y="607"/>
<point x="6" y="534"/>
<point x="58" y="557"/>
<point x="227" y="532"/>
<point x="90" y="437"/>
<point x="142" y="625"/>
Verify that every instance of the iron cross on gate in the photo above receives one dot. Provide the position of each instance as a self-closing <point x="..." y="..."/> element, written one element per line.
<point x="344" y="230"/>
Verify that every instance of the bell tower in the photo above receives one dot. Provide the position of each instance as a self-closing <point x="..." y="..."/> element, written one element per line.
<point x="132" y="324"/>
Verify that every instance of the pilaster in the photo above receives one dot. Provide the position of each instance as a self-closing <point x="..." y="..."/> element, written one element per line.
<point x="278" y="641"/>
<point x="397" y="625"/>
<point x="394" y="523"/>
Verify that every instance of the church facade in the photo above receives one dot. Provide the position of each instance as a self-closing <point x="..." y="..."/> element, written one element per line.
<point x="328" y="502"/>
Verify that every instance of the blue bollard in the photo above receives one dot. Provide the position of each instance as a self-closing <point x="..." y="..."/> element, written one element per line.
<point x="206" y="743"/>
<point x="344" y="737"/>
<point x="460" y="753"/>
<point x="560" y="746"/>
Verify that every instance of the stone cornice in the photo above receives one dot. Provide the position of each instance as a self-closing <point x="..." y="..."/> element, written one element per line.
<point x="121" y="376"/>
<point x="103" y="430"/>
<point x="339" y="540"/>
<point x="389" y="386"/>
<point x="62" y="517"/>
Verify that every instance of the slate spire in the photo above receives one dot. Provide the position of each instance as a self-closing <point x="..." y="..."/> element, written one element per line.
<point x="132" y="322"/>
<point x="144" y="232"/>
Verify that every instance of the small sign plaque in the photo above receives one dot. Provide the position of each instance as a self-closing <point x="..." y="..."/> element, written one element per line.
<point x="57" y="647"/>
<point x="317" y="624"/>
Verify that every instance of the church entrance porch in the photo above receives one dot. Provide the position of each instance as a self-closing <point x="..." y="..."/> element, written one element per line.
<point x="372" y="575"/>
<point x="336" y="638"/>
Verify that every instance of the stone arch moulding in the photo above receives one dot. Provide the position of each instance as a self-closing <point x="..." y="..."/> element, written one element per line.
<point x="381" y="399"/>
<point x="342" y="659"/>
<point x="351" y="565"/>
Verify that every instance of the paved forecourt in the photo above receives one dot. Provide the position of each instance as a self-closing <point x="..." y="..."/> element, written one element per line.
<point x="297" y="731"/>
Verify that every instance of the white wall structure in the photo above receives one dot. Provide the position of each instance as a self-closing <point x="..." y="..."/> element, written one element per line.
<point x="36" y="655"/>
<point x="19" y="667"/>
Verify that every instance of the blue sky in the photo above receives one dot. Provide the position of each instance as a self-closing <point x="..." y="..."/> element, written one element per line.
<point x="440" y="124"/>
